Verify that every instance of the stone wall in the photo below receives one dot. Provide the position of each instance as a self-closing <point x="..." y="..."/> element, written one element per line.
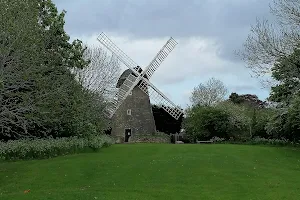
<point x="141" y="120"/>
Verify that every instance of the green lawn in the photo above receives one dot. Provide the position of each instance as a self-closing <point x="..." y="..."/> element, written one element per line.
<point x="158" y="171"/>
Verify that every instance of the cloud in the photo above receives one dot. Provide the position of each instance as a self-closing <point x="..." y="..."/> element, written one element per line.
<point x="227" y="21"/>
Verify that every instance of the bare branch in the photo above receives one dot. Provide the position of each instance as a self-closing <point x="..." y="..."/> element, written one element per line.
<point x="102" y="73"/>
<point x="268" y="42"/>
<point x="208" y="94"/>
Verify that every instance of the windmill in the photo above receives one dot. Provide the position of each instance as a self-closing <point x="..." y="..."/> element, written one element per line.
<point x="135" y="91"/>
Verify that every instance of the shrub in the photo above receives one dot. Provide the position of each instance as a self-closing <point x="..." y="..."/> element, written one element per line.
<point x="217" y="139"/>
<point x="262" y="141"/>
<point x="246" y="121"/>
<point x="258" y="140"/>
<point x="239" y="120"/>
<point x="286" y="121"/>
<point x="50" y="147"/>
<point x="260" y="119"/>
<point x="204" y="122"/>
<point x="158" y="137"/>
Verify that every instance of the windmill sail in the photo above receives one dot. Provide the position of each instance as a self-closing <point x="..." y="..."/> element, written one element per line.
<point x="160" y="57"/>
<point x="139" y="79"/>
<point x="127" y="86"/>
<point x="160" y="99"/>
<point x="103" y="39"/>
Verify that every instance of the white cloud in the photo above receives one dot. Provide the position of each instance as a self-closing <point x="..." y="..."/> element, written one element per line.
<point x="194" y="60"/>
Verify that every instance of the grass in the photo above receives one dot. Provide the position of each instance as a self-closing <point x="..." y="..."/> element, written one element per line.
<point x="158" y="171"/>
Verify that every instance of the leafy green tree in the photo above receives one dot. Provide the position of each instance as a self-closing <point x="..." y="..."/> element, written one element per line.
<point x="204" y="122"/>
<point x="293" y="119"/>
<point x="239" y="118"/>
<point x="287" y="72"/>
<point x="250" y="100"/>
<point x="285" y="122"/>
<point x="20" y="50"/>
<point x="246" y="120"/>
<point x="39" y="94"/>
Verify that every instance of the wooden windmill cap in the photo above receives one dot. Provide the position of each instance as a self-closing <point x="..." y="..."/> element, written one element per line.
<point x="126" y="73"/>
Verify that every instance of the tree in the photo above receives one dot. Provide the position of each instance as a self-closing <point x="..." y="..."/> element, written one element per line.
<point x="247" y="120"/>
<point x="164" y="122"/>
<point x="285" y="121"/>
<point x="240" y="120"/>
<point x="287" y="73"/>
<point x="249" y="99"/>
<point x="269" y="42"/>
<point x="39" y="94"/>
<point x="20" y="50"/>
<point x="102" y="73"/>
<point x="204" y="122"/>
<point x="209" y="93"/>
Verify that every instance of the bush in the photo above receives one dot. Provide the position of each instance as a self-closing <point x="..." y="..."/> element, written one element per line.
<point x="217" y="139"/>
<point x="258" y="140"/>
<point x="204" y="122"/>
<point x="246" y="121"/>
<point x="239" y="120"/>
<point x="50" y="147"/>
<point x="260" y="119"/>
<point x="285" y="122"/>
<point x="158" y="137"/>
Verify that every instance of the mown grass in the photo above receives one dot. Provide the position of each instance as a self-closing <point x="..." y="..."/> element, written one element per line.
<point x="158" y="171"/>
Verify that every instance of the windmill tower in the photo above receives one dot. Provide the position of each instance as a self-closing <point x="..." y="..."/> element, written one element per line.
<point x="130" y="110"/>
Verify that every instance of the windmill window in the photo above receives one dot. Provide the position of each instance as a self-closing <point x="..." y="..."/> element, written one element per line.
<point x="130" y="93"/>
<point x="129" y="112"/>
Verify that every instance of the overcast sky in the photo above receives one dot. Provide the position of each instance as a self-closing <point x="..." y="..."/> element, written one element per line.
<point x="207" y="32"/>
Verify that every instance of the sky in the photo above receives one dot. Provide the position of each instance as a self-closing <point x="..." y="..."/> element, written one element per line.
<point x="207" y="31"/>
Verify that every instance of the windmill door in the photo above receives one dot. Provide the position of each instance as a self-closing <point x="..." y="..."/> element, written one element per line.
<point x="127" y="134"/>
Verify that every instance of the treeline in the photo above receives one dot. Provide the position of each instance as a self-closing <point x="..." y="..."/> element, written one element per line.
<point x="239" y="118"/>
<point x="243" y="121"/>
<point x="41" y="90"/>
<point x="244" y="117"/>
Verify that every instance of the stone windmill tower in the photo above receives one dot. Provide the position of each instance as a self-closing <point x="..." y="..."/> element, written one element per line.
<point x="131" y="111"/>
<point x="134" y="115"/>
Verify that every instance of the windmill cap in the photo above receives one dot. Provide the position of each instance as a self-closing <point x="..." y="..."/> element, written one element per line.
<point x="126" y="73"/>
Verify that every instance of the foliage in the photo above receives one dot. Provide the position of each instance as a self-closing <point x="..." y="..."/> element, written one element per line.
<point x="209" y="93"/>
<point x="259" y="120"/>
<point x="256" y="141"/>
<point x="204" y="122"/>
<point x="247" y="99"/>
<point x="287" y="72"/>
<point x="19" y="31"/>
<point x="164" y="122"/>
<point x="50" y="147"/>
<point x="259" y="140"/>
<point x="39" y="96"/>
<point x="217" y="139"/>
<point x="245" y="121"/>
<point x="239" y="118"/>
<point x="286" y="121"/>
<point x="274" y="48"/>
<point x="270" y="40"/>
<point x="158" y="137"/>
